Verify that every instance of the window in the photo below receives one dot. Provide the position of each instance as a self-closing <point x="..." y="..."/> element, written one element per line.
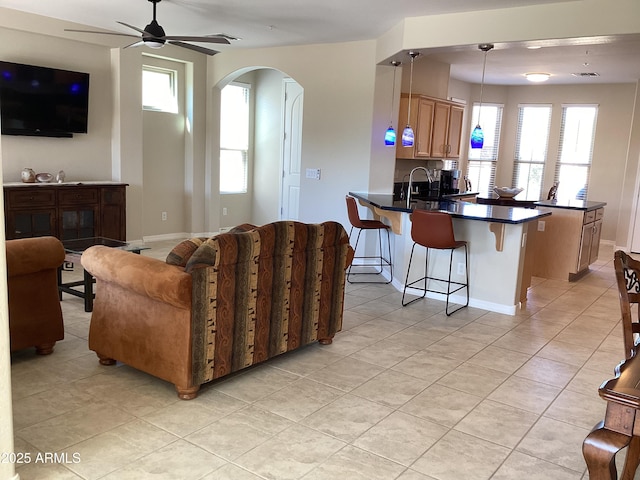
<point x="532" y="139"/>
<point x="159" y="89"/>
<point x="481" y="165"/>
<point x="577" y="134"/>
<point x="234" y="138"/>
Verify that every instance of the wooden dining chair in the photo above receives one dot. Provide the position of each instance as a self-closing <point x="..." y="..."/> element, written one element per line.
<point x="628" y="279"/>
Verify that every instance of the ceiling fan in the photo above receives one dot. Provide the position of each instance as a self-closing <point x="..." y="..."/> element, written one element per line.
<point x="154" y="36"/>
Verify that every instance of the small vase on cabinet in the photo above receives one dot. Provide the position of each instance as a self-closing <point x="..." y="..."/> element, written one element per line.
<point x="28" y="175"/>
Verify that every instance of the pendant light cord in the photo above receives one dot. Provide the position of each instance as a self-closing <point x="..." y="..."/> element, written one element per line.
<point x="413" y="55"/>
<point x="484" y="66"/>
<point x="393" y="94"/>
<point x="410" y="86"/>
<point x="485" y="48"/>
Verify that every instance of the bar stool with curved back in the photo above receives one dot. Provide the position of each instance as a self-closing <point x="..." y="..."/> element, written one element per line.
<point x="628" y="280"/>
<point x="434" y="230"/>
<point x="363" y="224"/>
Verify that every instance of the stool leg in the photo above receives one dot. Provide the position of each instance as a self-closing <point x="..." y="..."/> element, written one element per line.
<point x="406" y="281"/>
<point x="466" y="284"/>
<point x="381" y="260"/>
<point x="390" y="263"/>
<point x="355" y="248"/>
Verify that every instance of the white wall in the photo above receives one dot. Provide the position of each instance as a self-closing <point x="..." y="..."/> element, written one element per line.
<point x="338" y="108"/>
<point x="163" y="151"/>
<point x="85" y="156"/>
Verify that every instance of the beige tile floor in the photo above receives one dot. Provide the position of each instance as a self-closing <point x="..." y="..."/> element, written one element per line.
<point x="402" y="393"/>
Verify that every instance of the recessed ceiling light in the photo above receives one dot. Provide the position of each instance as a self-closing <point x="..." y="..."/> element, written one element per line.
<point x="534" y="47"/>
<point x="537" y="77"/>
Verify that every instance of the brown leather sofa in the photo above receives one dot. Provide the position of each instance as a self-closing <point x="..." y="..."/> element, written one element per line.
<point x="35" y="316"/>
<point x="221" y="304"/>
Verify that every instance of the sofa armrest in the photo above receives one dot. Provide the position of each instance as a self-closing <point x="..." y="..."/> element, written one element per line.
<point x="143" y="275"/>
<point x="30" y="255"/>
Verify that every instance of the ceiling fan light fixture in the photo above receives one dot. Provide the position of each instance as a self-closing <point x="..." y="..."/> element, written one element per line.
<point x="154" y="43"/>
<point x="537" y="77"/>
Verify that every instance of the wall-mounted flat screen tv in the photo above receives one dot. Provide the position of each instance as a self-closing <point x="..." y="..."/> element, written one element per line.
<point x="42" y="101"/>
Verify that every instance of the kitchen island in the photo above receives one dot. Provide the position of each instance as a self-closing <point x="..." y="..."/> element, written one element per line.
<point x="499" y="241"/>
<point x="568" y="241"/>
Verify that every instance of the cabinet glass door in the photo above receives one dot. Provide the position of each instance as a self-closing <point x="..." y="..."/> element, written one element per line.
<point x="78" y="223"/>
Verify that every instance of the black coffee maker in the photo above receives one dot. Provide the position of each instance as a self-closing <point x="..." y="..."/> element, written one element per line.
<point x="449" y="181"/>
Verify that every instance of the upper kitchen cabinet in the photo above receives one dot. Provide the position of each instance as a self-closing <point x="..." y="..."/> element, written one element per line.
<point x="421" y="120"/>
<point x="447" y="130"/>
<point x="437" y="127"/>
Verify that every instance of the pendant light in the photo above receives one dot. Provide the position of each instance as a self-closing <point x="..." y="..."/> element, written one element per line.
<point x="390" y="134"/>
<point x="477" y="136"/>
<point x="407" y="134"/>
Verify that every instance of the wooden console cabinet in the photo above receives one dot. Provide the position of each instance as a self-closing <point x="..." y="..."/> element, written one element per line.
<point x="65" y="211"/>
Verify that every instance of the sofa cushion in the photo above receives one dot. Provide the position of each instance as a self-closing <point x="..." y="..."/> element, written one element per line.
<point x="182" y="252"/>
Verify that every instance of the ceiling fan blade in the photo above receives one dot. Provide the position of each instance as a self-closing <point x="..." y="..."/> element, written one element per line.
<point x="224" y="35"/>
<point x="101" y="33"/>
<point x="135" y="44"/>
<point x="196" y="48"/>
<point x="197" y="39"/>
<point x="132" y="27"/>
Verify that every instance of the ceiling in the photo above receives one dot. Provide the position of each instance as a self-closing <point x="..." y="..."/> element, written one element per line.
<point x="270" y="23"/>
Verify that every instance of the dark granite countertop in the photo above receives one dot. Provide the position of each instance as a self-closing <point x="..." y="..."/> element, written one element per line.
<point x="571" y="204"/>
<point x="456" y="208"/>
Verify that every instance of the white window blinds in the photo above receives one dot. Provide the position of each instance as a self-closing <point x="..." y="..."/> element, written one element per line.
<point x="575" y="153"/>
<point x="532" y="140"/>
<point x="481" y="164"/>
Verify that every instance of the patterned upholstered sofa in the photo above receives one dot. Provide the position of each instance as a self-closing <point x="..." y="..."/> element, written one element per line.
<point x="221" y="304"/>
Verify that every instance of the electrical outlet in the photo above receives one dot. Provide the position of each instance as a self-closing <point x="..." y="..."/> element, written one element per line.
<point x="224" y="210"/>
<point x="164" y="216"/>
<point x="541" y="225"/>
<point x="460" y="268"/>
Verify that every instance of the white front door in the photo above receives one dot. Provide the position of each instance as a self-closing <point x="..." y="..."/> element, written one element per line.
<point x="292" y="146"/>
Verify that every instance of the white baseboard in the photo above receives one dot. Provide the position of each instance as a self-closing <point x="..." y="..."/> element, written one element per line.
<point x="461" y="299"/>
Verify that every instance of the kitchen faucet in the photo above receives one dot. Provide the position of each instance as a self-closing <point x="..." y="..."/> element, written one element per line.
<point x="429" y="179"/>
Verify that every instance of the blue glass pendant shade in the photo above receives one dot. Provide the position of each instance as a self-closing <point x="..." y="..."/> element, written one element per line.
<point x="477" y="137"/>
<point x="407" y="136"/>
<point x="390" y="137"/>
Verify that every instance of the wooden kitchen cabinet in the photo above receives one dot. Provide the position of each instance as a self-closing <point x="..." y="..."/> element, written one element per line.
<point x="567" y="242"/>
<point x="590" y="239"/>
<point x="65" y="211"/>
<point x="447" y="130"/>
<point x="421" y="120"/>
<point x="437" y="127"/>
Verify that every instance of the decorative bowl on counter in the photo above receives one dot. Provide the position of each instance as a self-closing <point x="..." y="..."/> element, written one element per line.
<point x="507" y="192"/>
<point x="44" y="177"/>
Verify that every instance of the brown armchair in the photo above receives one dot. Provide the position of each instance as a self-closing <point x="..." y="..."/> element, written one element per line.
<point x="221" y="304"/>
<point x="35" y="316"/>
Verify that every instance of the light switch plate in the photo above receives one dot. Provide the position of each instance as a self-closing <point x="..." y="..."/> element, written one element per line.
<point x="313" y="173"/>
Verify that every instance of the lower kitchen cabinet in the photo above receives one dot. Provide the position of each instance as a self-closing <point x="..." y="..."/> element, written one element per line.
<point x="567" y="242"/>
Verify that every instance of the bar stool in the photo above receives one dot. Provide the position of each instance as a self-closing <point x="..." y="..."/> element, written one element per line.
<point x="434" y="230"/>
<point x="380" y="261"/>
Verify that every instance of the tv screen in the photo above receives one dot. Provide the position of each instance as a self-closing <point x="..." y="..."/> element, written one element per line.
<point x="43" y="101"/>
